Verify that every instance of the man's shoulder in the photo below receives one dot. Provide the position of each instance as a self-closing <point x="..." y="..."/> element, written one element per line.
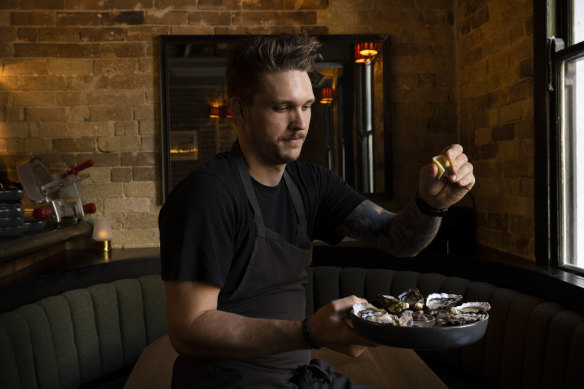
<point x="215" y="178"/>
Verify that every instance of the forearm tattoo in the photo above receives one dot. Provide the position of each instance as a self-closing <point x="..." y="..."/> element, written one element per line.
<point x="403" y="234"/>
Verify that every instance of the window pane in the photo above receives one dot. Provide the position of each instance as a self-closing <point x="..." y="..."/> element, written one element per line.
<point x="573" y="163"/>
<point x="578" y="21"/>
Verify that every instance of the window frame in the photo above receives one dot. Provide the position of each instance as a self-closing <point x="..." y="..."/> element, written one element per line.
<point x="551" y="19"/>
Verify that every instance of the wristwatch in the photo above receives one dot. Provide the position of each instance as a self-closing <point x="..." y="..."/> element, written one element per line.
<point x="428" y="210"/>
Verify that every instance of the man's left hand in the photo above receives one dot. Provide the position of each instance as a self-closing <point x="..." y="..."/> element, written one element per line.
<point x="447" y="191"/>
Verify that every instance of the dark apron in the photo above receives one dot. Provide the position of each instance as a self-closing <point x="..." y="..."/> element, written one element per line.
<point x="272" y="287"/>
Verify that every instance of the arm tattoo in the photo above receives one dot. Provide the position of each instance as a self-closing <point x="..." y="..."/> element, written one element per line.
<point x="403" y="234"/>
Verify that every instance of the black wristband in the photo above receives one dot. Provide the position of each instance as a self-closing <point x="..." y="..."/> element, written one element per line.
<point x="306" y="333"/>
<point x="428" y="210"/>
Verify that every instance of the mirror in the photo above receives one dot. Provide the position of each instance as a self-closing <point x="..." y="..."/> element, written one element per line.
<point x="349" y="130"/>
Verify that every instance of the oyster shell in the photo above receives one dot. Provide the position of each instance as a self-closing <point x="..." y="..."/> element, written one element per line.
<point x="414" y="298"/>
<point x="471" y="307"/>
<point x="465" y="318"/>
<point x="406" y="319"/>
<point x="436" y="302"/>
<point x="370" y="312"/>
<point x="391" y="304"/>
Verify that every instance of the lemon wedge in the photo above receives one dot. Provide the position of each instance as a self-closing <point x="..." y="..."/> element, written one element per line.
<point x="442" y="163"/>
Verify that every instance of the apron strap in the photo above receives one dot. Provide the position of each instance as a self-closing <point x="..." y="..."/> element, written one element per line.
<point x="251" y="196"/>
<point x="297" y="200"/>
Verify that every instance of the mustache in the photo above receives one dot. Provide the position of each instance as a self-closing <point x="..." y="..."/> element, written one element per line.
<point x="294" y="137"/>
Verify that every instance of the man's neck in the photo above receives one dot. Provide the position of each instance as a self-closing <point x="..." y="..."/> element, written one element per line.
<point x="268" y="175"/>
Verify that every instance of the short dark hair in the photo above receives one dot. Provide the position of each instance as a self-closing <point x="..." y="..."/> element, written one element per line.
<point x="258" y="54"/>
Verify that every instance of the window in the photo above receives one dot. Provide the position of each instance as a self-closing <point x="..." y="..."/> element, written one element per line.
<point x="566" y="122"/>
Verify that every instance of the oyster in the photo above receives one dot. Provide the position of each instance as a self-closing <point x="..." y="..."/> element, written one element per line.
<point x="465" y="318"/>
<point x="391" y="304"/>
<point x="406" y="319"/>
<point x="414" y="298"/>
<point x="370" y="312"/>
<point x="437" y="302"/>
<point x="471" y="307"/>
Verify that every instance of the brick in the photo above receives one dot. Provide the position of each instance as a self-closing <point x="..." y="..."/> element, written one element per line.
<point x="219" y="4"/>
<point x="101" y="159"/>
<point x="69" y="98"/>
<point x="47" y="114"/>
<point x="210" y="18"/>
<point x="50" y="130"/>
<point x="107" y="112"/>
<point x="31" y="98"/>
<point x="146" y="33"/>
<point x="138" y="159"/>
<point x="122" y="205"/>
<point x="306" y="4"/>
<point x="78" y="113"/>
<point x="9" y="4"/>
<point x="92" y="128"/>
<point x="148" y="127"/>
<point x="123" y="50"/>
<point x="104" y="191"/>
<point x="101" y="34"/>
<point x="71" y="145"/>
<point x="88" y="4"/>
<point x="32" y="19"/>
<point x="71" y="67"/>
<point x="31" y="66"/>
<point x="125" y="128"/>
<point x="144" y="112"/>
<point x="192" y="30"/>
<point x="7" y="34"/>
<point x="85" y="19"/>
<point x="314" y="30"/>
<point x="145" y="173"/>
<point x="141" y="189"/>
<point x="109" y="65"/>
<point x="296" y="17"/>
<point x="132" y="4"/>
<point x="170" y="17"/>
<point x="115" y="97"/>
<point x="136" y="238"/>
<point x="505" y="132"/>
<point x="26" y="34"/>
<point x="118" y="143"/>
<point x="511" y="112"/>
<point x="163" y="5"/>
<point x="123" y="18"/>
<point x="66" y="50"/>
<point x="42" y="4"/>
<point x="262" y="4"/>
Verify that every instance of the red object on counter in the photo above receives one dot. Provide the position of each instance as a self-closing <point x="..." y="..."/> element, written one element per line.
<point x="76" y="169"/>
<point x="89" y="208"/>
<point x="42" y="213"/>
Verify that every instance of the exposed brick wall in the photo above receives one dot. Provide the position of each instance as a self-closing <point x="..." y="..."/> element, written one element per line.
<point x="79" y="79"/>
<point x="495" y="71"/>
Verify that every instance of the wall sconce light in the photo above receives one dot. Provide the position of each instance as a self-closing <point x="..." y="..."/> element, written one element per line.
<point x="365" y="52"/>
<point x="102" y="234"/>
<point x="326" y="95"/>
<point x="215" y="112"/>
<point x="227" y="112"/>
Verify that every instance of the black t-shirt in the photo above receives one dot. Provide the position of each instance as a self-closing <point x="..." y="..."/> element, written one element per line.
<point x="207" y="227"/>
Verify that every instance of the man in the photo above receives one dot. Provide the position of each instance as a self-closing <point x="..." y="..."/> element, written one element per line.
<point x="236" y="235"/>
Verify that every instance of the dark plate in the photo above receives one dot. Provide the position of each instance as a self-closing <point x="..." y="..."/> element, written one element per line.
<point x="420" y="338"/>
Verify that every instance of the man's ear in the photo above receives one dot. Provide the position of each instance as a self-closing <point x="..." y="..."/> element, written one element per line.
<point x="237" y="110"/>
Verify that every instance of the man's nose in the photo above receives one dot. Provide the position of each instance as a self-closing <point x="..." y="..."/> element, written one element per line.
<point x="300" y="119"/>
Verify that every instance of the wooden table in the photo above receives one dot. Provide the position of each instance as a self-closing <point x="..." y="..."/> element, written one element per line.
<point x="384" y="367"/>
<point x="380" y="367"/>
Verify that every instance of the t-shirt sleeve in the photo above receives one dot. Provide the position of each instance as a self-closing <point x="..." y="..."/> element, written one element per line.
<point x="194" y="223"/>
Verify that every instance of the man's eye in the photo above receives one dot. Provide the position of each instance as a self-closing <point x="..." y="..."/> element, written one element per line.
<point x="280" y="108"/>
<point x="307" y="107"/>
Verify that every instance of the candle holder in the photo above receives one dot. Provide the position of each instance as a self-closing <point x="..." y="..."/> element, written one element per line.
<point x="102" y="234"/>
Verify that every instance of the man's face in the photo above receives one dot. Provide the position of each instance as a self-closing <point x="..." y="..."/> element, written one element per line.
<point x="278" y="117"/>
